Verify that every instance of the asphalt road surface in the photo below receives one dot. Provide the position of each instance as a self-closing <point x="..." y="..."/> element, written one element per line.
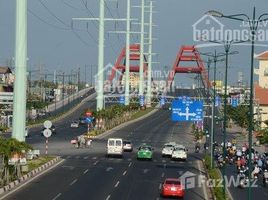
<point x="88" y="174"/>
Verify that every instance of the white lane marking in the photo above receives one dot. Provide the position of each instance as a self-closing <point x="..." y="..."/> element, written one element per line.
<point x="30" y="180"/>
<point x="124" y="173"/>
<point x="160" y="186"/>
<point x="73" y="182"/>
<point x="57" y="196"/>
<point x="163" y="174"/>
<point x="86" y="157"/>
<point x="85" y="171"/>
<point x="109" y="169"/>
<point x="203" y="185"/>
<point x="116" y="185"/>
<point x="108" y="197"/>
<point x="129" y="164"/>
<point x="95" y="163"/>
<point x="94" y="158"/>
<point x="145" y="171"/>
<point x="129" y="159"/>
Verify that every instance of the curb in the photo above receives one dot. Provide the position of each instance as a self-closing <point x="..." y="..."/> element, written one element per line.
<point x="126" y="124"/>
<point x="28" y="176"/>
<point x="208" y="189"/>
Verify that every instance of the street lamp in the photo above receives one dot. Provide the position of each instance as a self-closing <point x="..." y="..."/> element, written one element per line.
<point x="253" y="25"/>
<point x="215" y="59"/>
<point x="227" y="45"/>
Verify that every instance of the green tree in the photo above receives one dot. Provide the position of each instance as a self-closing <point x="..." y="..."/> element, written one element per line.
<point x="9" y="147"/>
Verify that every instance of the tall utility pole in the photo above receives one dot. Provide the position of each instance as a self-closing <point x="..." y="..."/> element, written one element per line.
<point x="100" y="76"/>
<point x="149" y="76"/>
<point x="141" y="89"/>
<point x="127" y="55"/>
<point x="19" y="113"/>
<point x="78" y="77"/>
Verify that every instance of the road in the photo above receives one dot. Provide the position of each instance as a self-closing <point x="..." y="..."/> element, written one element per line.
<point x="88" y="174"/>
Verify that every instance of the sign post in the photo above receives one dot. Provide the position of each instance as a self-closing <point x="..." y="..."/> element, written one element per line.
<point x="47" y="133"/>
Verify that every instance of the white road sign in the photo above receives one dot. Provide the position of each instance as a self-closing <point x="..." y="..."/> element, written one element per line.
<point x="47" y="133"/>
<point x="47" y="124"/>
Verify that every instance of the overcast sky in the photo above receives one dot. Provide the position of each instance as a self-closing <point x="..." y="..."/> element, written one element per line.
<point x="55" y="45"/>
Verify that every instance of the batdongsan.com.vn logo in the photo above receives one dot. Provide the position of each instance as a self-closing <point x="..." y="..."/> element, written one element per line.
<point x="190" y="180"/>
<point x="208" y="28"/>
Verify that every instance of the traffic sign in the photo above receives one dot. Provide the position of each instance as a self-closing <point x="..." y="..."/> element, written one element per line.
<point x="47" y="124"/>
<point x="217" y="101"/>
<point x="234" y="101"/>
<point x="47" y="133"/>
<point x="162" y="101"/>
<point x="185" y="109"/>
<point x="141" y="100"/>
<point x="122" y="100"/>
<point x="89" y="120"/>
<point x="88" y="114"/>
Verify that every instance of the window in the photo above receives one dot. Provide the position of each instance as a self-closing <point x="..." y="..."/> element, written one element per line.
<point x="111" y="143"/>
<point x="265" y="72"/>
<point x="118" y="143"/>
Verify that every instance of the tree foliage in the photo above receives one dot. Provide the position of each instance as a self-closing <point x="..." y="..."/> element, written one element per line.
<point x="239" y="114"/>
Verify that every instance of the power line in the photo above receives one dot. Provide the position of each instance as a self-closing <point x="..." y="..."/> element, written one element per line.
<point x="42" y="20"/>
<point x="61" y="21"/>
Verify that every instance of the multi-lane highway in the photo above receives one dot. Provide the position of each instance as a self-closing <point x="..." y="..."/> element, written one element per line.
<point x="88" y="174"/>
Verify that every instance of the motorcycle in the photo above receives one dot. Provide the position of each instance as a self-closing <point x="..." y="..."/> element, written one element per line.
<point x="197" y="149"/>
<point x="243" y="182"/>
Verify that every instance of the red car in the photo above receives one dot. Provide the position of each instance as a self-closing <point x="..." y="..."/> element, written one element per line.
<point x="172" y="187"/>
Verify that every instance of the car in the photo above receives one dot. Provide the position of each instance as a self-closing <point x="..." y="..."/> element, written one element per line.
<point x="168" y="149"/>
<point x="74" y="124"/>
<point x="127" y="146"/>
<point x="145" y="152"/>
<point x="115" y="147"/>
<point x="179" y="153"/>
<point x="52" y="128"/>
<point x="172" y="187"/>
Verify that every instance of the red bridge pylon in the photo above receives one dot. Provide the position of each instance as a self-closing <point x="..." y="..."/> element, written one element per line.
<point x="191" y="56"/>
<point x="120" y="65"/>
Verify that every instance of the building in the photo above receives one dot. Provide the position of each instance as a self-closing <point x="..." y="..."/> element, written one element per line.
<point x="6" y="79"/>
<point x="261" y="89"/>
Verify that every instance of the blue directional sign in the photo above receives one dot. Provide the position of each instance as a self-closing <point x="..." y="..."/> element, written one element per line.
<point x="234" y="101"/>
<point x="185" y="109"/>
<point x="217" y="101"/>
<point x="122" y="100"/>
<point x="162" y="101"/>
<point x="141" y="100"/>
<point x="89" y="120"/>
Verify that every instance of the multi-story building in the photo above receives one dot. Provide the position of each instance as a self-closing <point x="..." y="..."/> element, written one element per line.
<point x="261" y="89"/>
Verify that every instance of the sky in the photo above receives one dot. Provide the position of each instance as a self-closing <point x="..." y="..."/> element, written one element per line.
<point x="57" y="43"/>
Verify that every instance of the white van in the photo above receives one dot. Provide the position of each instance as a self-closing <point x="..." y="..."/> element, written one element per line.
<point x="115" y="146"/>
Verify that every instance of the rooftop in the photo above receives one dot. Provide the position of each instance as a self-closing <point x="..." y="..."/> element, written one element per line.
<point x="261" y="94"/>
<point x="262" y="56"/>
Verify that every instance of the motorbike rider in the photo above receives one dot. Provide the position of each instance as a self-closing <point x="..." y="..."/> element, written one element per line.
<point x="197" y="146"/>
<point x="265" y="176"/>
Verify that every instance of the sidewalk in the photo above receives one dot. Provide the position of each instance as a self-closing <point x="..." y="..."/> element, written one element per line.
<point x="241" y="136"/>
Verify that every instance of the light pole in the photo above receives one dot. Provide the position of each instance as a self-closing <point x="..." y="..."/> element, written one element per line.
<point x="253" y="25"/>
<point x="215" y="58"/>
<point x="227" y="45"/>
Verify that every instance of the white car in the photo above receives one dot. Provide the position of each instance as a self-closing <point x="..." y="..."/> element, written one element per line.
<point x="115" y="147"/>
<point x="26" y="132"/>
<point x="127" y="146"/>
<point x="168" y="149"/>
<point x="74" y="124"/>
<point x="179" y="153"/>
